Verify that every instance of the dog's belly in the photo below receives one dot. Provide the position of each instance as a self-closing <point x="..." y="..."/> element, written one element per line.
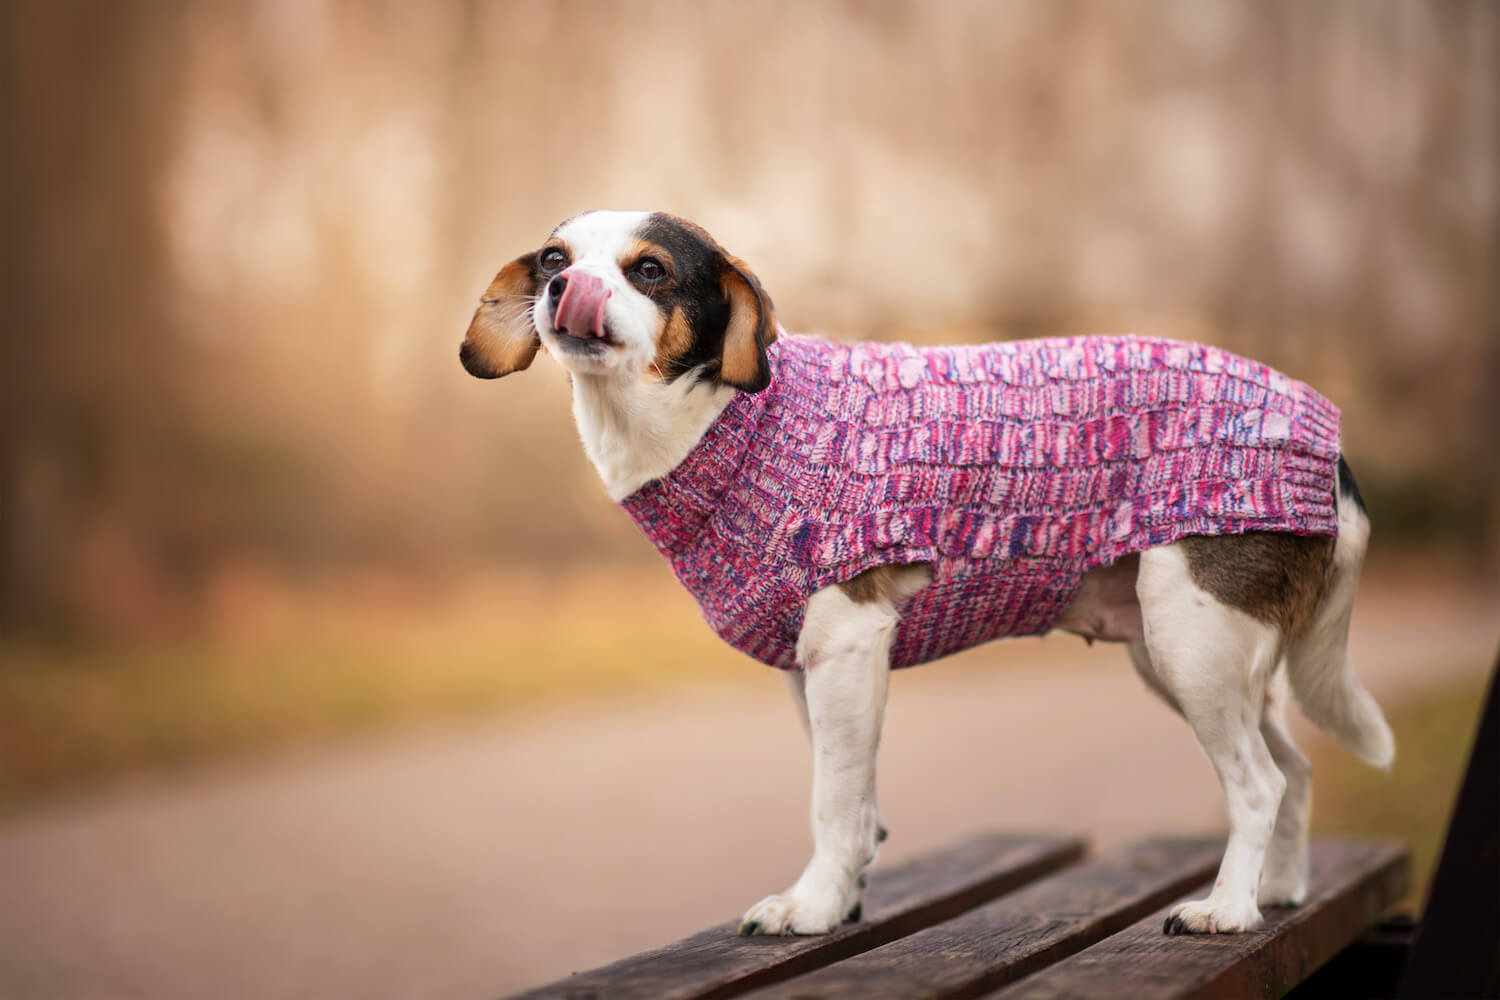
<point x="1106" y="606"/>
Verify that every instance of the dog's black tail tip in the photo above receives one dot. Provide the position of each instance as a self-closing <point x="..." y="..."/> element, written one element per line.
<point x="1348" y="487"/>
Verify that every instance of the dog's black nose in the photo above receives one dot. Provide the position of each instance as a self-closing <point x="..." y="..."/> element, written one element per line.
<point x="557" y="286"/>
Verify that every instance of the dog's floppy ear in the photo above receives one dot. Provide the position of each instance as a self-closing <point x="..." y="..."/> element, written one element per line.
<point x="501" y="337"/>
<point x="751" y="328"/>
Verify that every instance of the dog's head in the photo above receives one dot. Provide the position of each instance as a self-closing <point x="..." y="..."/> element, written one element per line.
<point x="639" y="294"/>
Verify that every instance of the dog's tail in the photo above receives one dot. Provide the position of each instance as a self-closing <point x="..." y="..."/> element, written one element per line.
<point x="1318" y="667"/>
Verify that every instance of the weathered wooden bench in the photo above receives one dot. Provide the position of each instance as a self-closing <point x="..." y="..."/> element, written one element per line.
<point x="1014" y="916"/>
<point x="1028" y="916"/>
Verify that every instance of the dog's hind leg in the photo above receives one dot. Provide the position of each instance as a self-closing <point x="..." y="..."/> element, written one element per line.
<point x="1284" y="879"/>
<point x="845" y="650"/>
<point x="1216" y="662"/>
<point x="1140" y="658"/>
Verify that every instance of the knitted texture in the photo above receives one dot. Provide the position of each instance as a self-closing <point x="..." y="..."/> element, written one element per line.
<point x="1013" y="469"/>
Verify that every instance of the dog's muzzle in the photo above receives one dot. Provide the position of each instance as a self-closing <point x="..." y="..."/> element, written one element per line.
<point x="580" y="299"/>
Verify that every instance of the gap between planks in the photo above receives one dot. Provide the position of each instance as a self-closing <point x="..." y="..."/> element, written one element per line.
<point x="718" y="963"/>
<point x="1351" y="886"/>
<point x="1021" y="932"/>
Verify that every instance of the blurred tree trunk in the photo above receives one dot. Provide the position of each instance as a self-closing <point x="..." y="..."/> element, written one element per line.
<point x="87" y="107"/>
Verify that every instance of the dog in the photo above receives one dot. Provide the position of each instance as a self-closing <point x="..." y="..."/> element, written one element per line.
<point x="840" y="510"/>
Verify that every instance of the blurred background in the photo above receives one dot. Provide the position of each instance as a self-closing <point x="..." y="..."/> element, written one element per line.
<point x="268" y="557"/>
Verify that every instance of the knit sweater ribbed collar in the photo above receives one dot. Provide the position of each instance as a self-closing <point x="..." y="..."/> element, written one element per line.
<point x="674" y="510"/>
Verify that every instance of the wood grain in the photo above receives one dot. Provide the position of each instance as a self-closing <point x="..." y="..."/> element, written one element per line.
<point x="1352" y="885"/>
<point x="1024" y="931"/>
<point x="717" y="963"/>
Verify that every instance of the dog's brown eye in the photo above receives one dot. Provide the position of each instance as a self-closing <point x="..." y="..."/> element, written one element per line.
<point x="650" y="269"/>
<point x="554" y="260"/>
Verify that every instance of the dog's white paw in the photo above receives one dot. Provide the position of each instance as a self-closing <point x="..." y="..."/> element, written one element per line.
<point x="795" y="912"/>
<point x="1207" y="916"/>
<point x="1283" y="885"/>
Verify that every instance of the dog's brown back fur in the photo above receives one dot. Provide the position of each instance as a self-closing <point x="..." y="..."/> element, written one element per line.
<point x="1273" y="578"/>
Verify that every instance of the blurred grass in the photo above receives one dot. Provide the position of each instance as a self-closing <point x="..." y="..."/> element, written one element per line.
<point x="299" y="668"/>
<point x="1434" y="733"/>
<point x="74" y="714"/>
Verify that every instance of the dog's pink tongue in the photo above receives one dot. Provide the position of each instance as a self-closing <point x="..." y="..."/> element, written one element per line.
<point x="580" y="311"/>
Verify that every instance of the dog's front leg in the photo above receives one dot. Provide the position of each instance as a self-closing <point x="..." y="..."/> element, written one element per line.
<point x="845" y="652"/>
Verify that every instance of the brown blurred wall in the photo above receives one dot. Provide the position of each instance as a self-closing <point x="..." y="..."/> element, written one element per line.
<point x="244" y="238"/>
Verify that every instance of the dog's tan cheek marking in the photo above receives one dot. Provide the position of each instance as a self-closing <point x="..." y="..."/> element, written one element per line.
<point x="675" y="341"/>
<point x="645" y="248"/>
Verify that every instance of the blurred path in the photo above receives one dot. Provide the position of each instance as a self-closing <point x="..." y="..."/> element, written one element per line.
<point x="472" y="862"/>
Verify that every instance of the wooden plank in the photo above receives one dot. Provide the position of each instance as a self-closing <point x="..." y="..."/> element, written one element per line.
<point x="1352" y="884"/>
<point x="718" y="963"/>
<point x="1002" y="941"/>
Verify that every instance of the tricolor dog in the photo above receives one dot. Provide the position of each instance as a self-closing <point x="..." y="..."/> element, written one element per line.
<point x="840" y="510"/>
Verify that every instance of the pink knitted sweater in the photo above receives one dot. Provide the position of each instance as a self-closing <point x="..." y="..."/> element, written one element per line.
<point x="1012" y="468"/>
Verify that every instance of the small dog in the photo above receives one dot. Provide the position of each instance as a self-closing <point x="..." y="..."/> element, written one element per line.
<point x="839" y="510"/>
